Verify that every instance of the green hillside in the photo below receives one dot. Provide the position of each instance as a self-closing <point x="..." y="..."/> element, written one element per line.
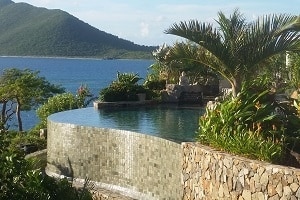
<point x="26" y="30"/>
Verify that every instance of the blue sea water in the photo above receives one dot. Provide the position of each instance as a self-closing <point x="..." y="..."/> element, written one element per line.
<point x="71" y="73"/>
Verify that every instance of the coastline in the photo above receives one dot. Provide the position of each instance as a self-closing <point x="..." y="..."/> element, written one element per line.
<point x="72" y="58"/>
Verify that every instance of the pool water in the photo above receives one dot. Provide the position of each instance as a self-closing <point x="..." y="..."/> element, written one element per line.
<point x="176" y="123"/>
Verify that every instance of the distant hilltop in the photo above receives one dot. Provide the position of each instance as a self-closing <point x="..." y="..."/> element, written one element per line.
<point x="32" y="31"/>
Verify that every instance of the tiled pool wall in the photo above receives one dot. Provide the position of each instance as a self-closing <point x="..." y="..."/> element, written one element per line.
<point x="137" y="165"/>
<point x="210" y="174"/>
<point x="147" y="167"/>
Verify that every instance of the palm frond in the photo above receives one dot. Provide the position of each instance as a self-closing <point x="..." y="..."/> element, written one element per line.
<point x="236" y="48"/>
<point x="262" y="40"/>
<point x="232" y="28"/>
<point x="202" y="34"/>
<point x="182" y="51"/>
<point x="292" y="24"/>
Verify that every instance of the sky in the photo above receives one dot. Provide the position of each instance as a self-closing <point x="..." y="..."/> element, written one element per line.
<point x="144" y="21"/>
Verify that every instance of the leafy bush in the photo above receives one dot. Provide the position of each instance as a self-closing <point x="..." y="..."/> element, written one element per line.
<point x="253" y="125"/>
<point x="57" y="103"/>
<point x="19" y="139"/>
<point x="63" y="102"/>
<point x="20" y="180"/>
<point x="155" y="84"/>
<point x="120" y="92"/>
<point x="128" y="78"/>
<point x="84" y="96"/>
<point x="124" y="88"/>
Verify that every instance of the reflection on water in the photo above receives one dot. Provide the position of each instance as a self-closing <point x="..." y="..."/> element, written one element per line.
<point x="176" y="123"/>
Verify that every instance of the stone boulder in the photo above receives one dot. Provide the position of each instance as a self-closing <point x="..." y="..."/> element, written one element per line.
<point x="175" y="93"/>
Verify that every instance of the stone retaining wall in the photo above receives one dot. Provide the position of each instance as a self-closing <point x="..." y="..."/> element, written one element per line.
<point x="145" y="167"/>
<point x="136" y="165"/>
<point x="209" y="174"/>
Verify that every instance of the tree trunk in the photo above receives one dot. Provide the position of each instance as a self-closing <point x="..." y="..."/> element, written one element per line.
<point x="3" y="116"/>
<point x="18" y="114"/>
<point x="236" y="86"/>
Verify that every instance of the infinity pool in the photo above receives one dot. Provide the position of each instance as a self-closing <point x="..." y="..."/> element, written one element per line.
<point x="176" y="123"/>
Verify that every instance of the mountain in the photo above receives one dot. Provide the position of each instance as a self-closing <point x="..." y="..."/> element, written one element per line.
<point x="26" y="30"/>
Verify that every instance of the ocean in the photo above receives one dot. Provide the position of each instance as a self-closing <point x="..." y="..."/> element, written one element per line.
<point x="70" y="73"/>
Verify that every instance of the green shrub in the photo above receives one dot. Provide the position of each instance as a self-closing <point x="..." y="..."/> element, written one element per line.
<point x="24" y="138"/>
<point x="57" y="103"/>
<point x="128" y="78"/>
<point x="155" y="84"/>
<point x="21" y="180"/>
<point x="125" y="88"/>
<point x="253" y="125"/>
<point x="63" y="102"/>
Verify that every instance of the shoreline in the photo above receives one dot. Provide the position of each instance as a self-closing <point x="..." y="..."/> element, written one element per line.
<point x="72" y="58"/>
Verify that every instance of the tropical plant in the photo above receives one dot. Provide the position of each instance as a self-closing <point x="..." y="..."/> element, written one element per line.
<point x="155" y="73"/>
<point x="22" y="140"/>
<point x="124" y="88"/>
<point x="57" y="103"/>
<point x="169" y="70"/>
<point x="153" y="84"/>
<point x="161" y="70"/>
<point x="127" y="78"/>
<point x="84" y="96"/>
<point x="236" y="48"/>
<point x="260" y="128"/>
<point x="26" y="89"/>
<point x="21" y="180"/>
<point x="63" y="102"/>
<point x="294" y="70"/>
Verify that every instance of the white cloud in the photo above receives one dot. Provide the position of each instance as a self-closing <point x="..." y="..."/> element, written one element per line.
<point x="144" y="29"/>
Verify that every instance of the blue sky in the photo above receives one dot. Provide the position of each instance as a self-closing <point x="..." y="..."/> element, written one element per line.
<point x="144" y="21"/>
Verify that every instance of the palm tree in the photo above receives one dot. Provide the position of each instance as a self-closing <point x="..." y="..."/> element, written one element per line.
<point x="236" y="48"/>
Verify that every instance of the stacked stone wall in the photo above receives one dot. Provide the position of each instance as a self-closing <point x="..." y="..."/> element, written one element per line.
<point x="209" y="174"/>
<point x="140" y="166"/>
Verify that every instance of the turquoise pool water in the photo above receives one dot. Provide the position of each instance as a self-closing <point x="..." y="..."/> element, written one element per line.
<point x="176" y="123"/>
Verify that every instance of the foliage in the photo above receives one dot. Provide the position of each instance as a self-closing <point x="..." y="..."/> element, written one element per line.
<point x="7" y="112"/>
<point x="26" y="88"/>
<point x="155" y="84"/>
<point x="252" y="124"/>
<point x="161" y="69"/>
<point x="18" y="139"/>
<point x="296" y="104"/>
<point x="63" y="102"/>
<point x="294" y="71"/>
<point x="20" y="180"/>
<point x="274" y="73"/>
<point x="156" y="73"/>
<point x="83" y="96"/>
<point x="169" y="69"/>
<point x="43" y="32"/>
<point x="124" y="88"/>
<point x="127" y="78"/>
<point x="236" y="48"/>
